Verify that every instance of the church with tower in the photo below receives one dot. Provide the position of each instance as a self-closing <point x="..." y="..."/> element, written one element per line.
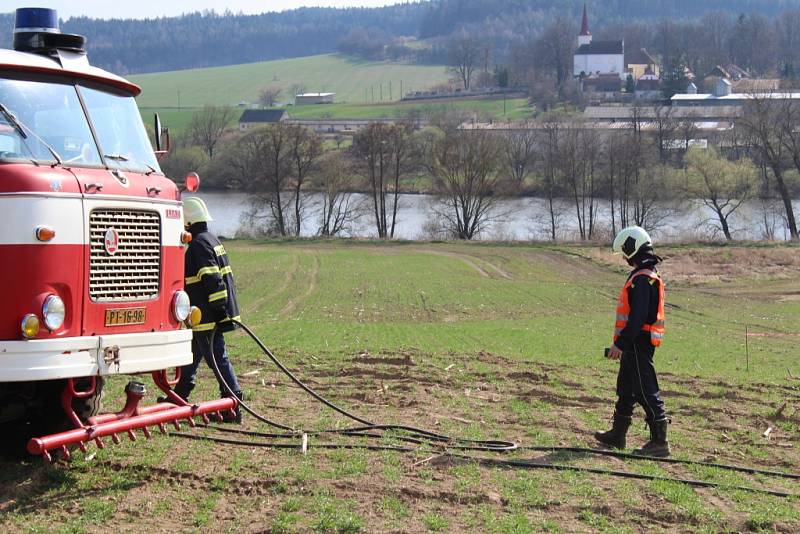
<point x="597" y="58"/>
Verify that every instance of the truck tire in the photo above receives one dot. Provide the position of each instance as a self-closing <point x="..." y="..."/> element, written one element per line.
<point x="46" y="416"/>
<point x="90" y="406"/>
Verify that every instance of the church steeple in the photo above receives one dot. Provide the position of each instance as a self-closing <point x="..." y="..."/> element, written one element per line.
<point x="586" y="36"/>
<point x="585" y="22"/>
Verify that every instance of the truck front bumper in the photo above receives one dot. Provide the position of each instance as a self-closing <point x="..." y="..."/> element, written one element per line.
<point x="73" y="357"/>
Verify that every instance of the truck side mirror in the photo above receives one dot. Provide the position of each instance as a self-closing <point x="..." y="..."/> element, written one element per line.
<point x="157" y="129"/>
<point x="162" y="137"/>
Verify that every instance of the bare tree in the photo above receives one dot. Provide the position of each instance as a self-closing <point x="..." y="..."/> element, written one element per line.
<point x="578" y="166"/>
<point x="708" y="41"/>
<point x="789" y="44"/>
<point x="265" y="157"/>
<point x="550" y="134"/>
<point x="464" y="55"/>
<point x="650" y="190"/>
<point x="338" y="209"/>
<point x="305" y="148"/>
<point x="297" y="88"/>
<point x="720" y="184"/>
<point x="753" y="43"/>
<point x="591" y="141"/>
<point x="382" y="153"/>
<point x="555" y="47"/>
<point x="614" y="153"/>
<point x="208" y="125"/>
<point x="767" y="126"/>
<point x="268" y="96"/>
<point x="519" y="151"/>
<point x="464" y="165"/>
<point x="184" y="159"/>
<point x="665" y="128"/>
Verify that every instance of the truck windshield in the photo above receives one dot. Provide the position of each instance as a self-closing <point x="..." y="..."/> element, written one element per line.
<point x="120" y="131"/>
<point x="48" y="113"/>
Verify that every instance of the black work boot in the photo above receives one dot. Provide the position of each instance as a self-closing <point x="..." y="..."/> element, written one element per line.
<point x="658" y="446"/>
<point x="615" y="438"/>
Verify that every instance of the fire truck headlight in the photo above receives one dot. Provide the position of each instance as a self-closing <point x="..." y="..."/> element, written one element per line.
<point x="53" y="312"/>
<point x="195" y="316"/>
<point x="30" y="326"/>
<point x="181" y="306"/>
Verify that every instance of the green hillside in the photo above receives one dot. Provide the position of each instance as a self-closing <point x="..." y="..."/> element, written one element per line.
<point x="352" y="80"/>
<point x="512" y="109"/>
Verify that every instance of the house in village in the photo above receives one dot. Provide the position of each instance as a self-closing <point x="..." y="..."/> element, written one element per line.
<point x="253" y="118"/>
<point x="602" y="86"/>
<point x="640" y="61"/>
<point x="722" y="95"/>
<point x="313" y="98"/>
<point x="740" y="80"/>
<point x="648" y="86"/>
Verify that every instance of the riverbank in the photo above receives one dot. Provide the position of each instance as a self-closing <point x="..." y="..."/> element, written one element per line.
<point x="514" y="219"/>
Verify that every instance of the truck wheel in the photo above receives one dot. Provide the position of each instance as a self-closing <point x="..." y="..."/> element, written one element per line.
<point x="44" y="415"/>
<point x="90" y="406"/>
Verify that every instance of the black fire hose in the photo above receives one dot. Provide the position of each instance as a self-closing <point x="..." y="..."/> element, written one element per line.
<point x="422" y="437"/>
<point x="415" y="433"/>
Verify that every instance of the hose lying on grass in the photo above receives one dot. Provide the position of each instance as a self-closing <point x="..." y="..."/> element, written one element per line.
<point x="442" y="444"/>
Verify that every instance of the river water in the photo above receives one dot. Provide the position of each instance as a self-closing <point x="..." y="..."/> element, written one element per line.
<point x="519" y="219"/>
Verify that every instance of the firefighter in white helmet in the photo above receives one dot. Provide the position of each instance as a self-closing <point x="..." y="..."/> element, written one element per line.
<point x="209" y="283"/>
<point x="638" y="330"/>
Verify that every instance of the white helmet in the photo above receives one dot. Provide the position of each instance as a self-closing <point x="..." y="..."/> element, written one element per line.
<point x="195" y="211"/>
<point x="630" y="240"/>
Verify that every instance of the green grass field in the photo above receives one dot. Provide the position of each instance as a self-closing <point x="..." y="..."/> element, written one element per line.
<point x="229" y="85"/>
<point x="176" y="95"/>
<point x="513" y="109"/>
<point x="478" y="340"/>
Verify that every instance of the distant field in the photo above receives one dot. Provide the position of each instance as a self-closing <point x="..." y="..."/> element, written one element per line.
<point x="515" y="108"/>
<point x="350" y="79"/>
<point x="512" y="109"/>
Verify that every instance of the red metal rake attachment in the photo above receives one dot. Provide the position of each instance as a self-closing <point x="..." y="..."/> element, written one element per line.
<point x="132" y="417"/>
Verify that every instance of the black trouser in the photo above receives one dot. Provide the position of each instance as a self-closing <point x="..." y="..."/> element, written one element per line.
<point x="637" y="382"/>
<point x="201" y="348"/>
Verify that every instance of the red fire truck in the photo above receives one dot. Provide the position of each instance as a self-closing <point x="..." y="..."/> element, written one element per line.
<point x="91" y="242"/>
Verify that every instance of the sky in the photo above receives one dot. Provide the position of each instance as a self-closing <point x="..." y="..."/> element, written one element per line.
<point x="156" y="8"/>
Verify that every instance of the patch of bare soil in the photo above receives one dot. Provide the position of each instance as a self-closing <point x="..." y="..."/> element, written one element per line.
<point x="717" y="264"/>
<point x="566" y="265"/>
<point x="365" y="358"/>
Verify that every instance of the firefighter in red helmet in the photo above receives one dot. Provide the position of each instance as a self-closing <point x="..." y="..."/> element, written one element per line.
<point x="638" y="330"/>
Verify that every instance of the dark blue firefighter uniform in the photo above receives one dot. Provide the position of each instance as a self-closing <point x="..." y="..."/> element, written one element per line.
<point x="209" y="283"/>
<point x="637" y="381"/>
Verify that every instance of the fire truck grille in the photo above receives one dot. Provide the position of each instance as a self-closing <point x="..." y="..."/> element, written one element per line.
<point x="132" y="271"/>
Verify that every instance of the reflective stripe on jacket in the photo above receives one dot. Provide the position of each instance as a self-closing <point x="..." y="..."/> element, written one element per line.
<point x="656" y="329"/>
